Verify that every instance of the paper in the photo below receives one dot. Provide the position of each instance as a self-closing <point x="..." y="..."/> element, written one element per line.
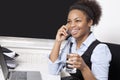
<point x="10" y="54"/>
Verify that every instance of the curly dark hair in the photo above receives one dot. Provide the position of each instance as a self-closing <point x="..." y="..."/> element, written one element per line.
<point x="90" y="7"/>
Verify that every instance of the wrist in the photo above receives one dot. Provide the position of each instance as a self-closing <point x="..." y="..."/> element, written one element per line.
<point x="58" y="41"/>
<point x="86" y="68"/>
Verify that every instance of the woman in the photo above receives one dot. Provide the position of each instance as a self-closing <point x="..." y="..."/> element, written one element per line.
<point x="81" y="17"/>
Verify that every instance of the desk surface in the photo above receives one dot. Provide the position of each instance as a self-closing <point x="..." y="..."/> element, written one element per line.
<point x="32" y="54"/>
<point x="1" y="75"/>
<point x="28" y="63"/>
<point x="44" y="76"/>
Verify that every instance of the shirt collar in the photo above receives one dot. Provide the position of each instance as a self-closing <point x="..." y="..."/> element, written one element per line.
<point x="89" y="40"/>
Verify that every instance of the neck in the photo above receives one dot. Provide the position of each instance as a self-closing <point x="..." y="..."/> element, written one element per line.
<point x="81" y="39"/>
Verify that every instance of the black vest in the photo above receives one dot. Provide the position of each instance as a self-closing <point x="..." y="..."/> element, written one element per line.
<point x="86" y="57"/>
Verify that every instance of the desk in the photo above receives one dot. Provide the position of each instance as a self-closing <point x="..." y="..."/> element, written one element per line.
<point x="33" y="62"/>
<point x="33" y="54"/>
<point x="1" y="75"/>
<point x="44" y="76"/>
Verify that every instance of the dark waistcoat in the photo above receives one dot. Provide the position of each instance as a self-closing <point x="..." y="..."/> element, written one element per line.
<point x="86" y="57"/>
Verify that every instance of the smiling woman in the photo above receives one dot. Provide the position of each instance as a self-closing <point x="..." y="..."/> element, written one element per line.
<point x="85" y="52"/>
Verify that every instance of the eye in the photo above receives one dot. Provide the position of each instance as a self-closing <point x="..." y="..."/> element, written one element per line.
<point x="77" y="20"/>
<point x="68" y="21"/>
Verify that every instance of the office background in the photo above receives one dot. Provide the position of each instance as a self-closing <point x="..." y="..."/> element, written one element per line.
<point x="41" y="19"/>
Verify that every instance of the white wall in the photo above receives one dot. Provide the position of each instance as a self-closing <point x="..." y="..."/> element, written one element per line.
<point x="108" y="28"/>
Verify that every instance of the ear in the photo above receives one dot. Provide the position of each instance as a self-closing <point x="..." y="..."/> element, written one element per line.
<point x="90" y="23"/>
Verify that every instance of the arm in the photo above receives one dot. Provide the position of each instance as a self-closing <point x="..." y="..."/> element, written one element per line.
<point x="55" y="51"/>
<point x="86" y="72"/>
<point x="100" y="59"/>
<point x="61" y="36"/>
<point x="55" y="64"/>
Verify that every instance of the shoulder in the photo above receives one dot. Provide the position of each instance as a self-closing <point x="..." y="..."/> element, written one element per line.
<point x="101" y="52"/>
<point x="101" y="46"/>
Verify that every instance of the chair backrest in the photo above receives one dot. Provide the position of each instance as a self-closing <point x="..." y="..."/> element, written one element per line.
<point x="114" y="71"/>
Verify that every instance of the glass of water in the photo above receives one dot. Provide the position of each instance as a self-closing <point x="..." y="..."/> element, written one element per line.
<point x="68" y="69"/>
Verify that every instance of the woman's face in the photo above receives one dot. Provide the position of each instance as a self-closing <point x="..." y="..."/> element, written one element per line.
<point x="78" y="24"/>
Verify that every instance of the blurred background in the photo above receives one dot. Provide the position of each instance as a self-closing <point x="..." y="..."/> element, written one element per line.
<point x="41" y="19"/>
<point x="37" y="19"/>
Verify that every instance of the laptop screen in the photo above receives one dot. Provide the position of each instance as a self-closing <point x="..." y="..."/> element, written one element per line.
<point x="3" y="64"/>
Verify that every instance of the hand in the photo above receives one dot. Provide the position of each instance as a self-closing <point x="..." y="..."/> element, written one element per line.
<point x="62" y="33"/>
<point x="76" y="61"/>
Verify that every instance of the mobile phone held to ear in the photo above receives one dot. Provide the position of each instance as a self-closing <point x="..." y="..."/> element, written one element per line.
<point x="68" y="32"/>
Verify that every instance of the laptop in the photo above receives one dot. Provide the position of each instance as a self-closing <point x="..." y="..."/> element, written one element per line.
<point x="17" y="75"/>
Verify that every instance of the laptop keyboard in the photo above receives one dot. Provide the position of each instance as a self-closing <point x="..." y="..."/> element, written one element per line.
<point x="17" y="75"/>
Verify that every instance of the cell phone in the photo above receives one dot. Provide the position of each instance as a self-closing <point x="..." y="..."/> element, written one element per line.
<point x="68" y="32"/>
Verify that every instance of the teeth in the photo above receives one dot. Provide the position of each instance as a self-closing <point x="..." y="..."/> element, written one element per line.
<point x="74" y="31"/>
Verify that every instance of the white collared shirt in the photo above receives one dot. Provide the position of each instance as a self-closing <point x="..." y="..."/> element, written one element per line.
<point x="100" y="57"/>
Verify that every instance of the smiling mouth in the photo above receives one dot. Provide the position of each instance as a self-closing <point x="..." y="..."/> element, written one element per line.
<point x="74" y="31"/>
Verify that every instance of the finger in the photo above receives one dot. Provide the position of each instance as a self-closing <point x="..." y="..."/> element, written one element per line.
<point x="63" y="29"/>
<point x="74" y="55"/>
<point x="74" y="65"/>
<point x="67" y="25"/>
<point x="70" y="66"/>
<point x="73" y="60"/>
<point x="63" y="33"/>
<point x="68" y="29"/>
